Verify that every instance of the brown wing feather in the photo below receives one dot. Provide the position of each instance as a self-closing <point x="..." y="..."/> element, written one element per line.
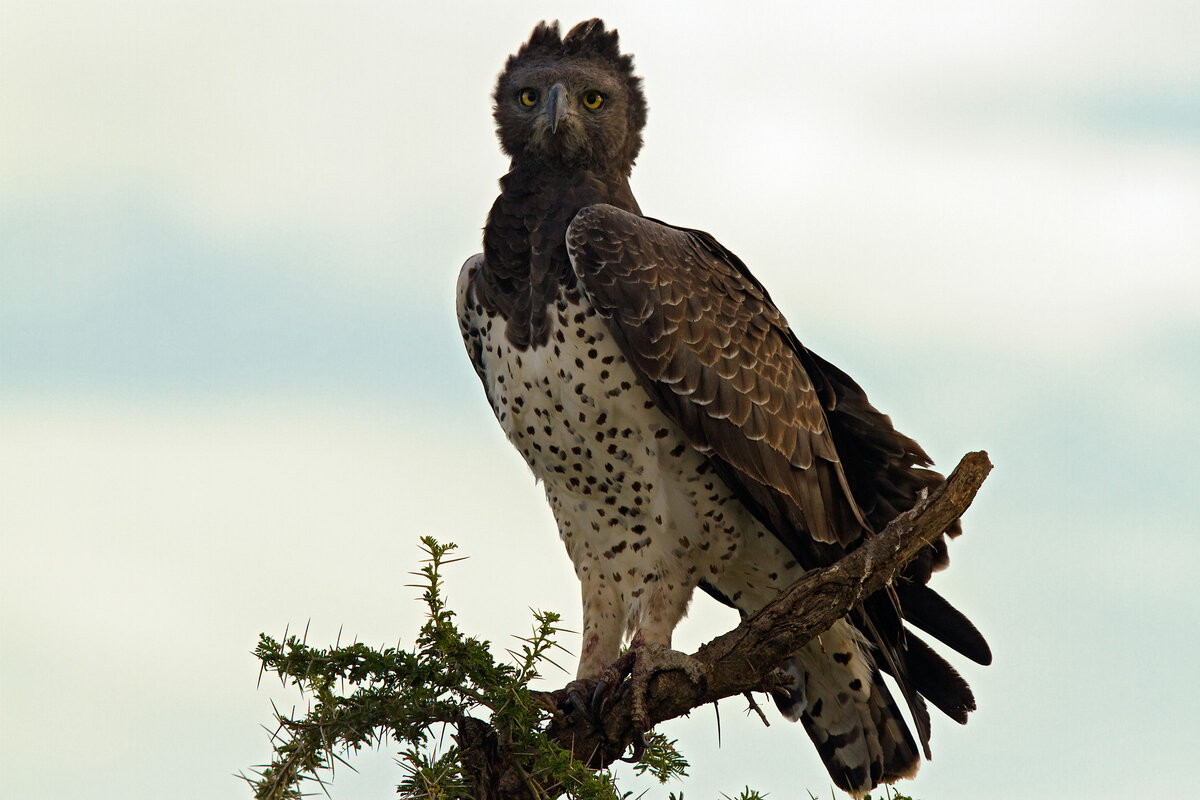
<point x="718" y="357"/>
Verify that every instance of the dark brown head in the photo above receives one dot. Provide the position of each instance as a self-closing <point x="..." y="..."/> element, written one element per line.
<point x="571" y="100"/>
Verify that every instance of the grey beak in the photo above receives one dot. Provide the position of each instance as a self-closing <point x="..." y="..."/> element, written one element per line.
<point x="556" y="106"/>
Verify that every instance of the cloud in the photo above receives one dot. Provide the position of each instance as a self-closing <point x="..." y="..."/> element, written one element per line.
<point x="1024" y="176"/>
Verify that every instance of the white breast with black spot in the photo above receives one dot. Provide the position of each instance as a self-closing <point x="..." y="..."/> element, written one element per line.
<point x="642" y="514"/>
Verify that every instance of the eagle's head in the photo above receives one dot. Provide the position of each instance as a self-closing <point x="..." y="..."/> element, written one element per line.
<point x="571" y="101"/>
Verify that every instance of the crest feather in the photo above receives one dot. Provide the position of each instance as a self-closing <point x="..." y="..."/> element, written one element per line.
<point x="590" y="37"/>
<point x="544" y="40"/>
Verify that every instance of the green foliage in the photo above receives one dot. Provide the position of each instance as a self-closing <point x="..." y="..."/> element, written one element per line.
<point x="661" y="759"/>
<point x="891" y="794"/>
<point x="362" y="696"/>
<point x="747" y="794"/>
<point x="359" y="696"/>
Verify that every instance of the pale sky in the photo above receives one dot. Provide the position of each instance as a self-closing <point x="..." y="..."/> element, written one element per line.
<point x="232" y="393"/>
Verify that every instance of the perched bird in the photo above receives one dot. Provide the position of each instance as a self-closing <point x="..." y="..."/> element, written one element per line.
<point x="684" y="436"/>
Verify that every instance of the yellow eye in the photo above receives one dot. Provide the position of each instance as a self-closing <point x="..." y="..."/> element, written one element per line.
<point x="529" y="97"/>
<point x="592" y="100"/>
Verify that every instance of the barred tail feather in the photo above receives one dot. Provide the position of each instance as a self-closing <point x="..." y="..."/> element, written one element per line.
<point x="848" y="712"/>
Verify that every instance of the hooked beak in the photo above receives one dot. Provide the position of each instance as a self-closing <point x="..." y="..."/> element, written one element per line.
<point x="556" y="106"/>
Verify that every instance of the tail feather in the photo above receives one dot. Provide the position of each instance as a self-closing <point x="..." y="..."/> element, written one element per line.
<point x="930" y="612"/>
<point x="893" y="733"/>
<point x="848" y="712"/>
<point x="939" y="682"/>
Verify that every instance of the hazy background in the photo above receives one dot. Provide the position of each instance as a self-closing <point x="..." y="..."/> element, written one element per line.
<point x="232" y="392"/>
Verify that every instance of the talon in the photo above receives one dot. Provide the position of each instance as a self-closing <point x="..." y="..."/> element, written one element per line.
<point x="600" y="697"/>
<point x="572" y="698"/>
<point x="639" y="747"/>
<point x="577" y="701"/>
<point x="610" y="680"/>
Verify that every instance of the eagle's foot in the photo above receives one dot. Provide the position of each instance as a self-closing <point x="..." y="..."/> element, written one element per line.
<point x="649" y="661"/>
<point x="641" y="663"/>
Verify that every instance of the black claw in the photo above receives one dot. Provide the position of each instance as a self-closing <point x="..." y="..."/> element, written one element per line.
<point x="575" y="701"/>
<point x="610" y="681"/>
<point x="639" y="748"/>
<point x="602" y="695"/>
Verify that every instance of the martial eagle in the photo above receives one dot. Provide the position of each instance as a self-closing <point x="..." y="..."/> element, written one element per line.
<point x="684" y="436"/>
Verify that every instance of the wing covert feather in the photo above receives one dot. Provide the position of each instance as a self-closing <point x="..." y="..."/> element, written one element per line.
<point x="719" y="359"/>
